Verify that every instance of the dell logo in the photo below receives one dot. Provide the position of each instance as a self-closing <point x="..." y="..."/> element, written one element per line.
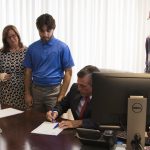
<point x="137" y="107"/>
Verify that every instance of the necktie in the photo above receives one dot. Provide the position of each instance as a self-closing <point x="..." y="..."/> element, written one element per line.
<point x="86" y="99"/>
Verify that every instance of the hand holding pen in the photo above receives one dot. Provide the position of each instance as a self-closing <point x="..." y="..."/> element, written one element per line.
<point x="52" y="115"/>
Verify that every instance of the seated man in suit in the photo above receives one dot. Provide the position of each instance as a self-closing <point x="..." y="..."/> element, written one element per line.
<point x="78" y="100"/>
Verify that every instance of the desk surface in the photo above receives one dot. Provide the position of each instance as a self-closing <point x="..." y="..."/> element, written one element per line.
<point x="16" y="134"/>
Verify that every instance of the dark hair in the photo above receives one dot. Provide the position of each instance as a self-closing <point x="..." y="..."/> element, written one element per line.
<point x="6" y="47"/>
<point x="45" y="19"/>
<point x="87" y="70"/>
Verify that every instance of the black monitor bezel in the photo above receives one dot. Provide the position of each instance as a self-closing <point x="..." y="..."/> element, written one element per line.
<point x="105" y="85"/>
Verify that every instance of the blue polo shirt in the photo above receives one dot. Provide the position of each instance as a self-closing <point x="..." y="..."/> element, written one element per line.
<point x="48" y="61"/>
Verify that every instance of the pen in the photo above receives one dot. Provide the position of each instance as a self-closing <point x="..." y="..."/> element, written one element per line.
<point x="52" y="116"/>
<point x="56" y="126"/>
<point x="53" y="120"/>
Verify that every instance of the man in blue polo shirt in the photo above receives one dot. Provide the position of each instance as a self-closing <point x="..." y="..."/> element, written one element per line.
<point x="48" y="67"/>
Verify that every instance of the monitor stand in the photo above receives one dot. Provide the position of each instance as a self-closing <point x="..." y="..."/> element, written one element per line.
<point x="136" y="121"/>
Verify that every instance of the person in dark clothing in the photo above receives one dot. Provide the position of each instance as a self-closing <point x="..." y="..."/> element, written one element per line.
<point x="147" y="47"/>
<point x="78" y="100"/>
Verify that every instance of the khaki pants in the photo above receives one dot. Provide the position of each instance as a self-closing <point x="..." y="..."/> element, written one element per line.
<point x="44" y="98"/>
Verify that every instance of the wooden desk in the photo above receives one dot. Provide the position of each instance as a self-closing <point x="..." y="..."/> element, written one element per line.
<point x="16" y="134"/>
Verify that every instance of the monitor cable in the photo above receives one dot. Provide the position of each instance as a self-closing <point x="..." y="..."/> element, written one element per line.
<point x="121" y="124"/>
<point x="136" y="142"/>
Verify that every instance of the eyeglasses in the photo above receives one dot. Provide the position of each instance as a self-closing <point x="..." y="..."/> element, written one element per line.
<point x="12" y="36"/>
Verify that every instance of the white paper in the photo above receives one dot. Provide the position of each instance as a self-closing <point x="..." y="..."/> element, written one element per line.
<point x="9" y="112"/>
<point x="120" y="147"/>
<point x="47" y="128"/>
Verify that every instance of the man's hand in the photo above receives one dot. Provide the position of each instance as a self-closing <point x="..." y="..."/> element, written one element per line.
<point x="60" y="97"/>
<point x="65" y="84"/>
<point x="51" y="115"/>
<point x="28" y="100"/>
<point x="70" y="124"/>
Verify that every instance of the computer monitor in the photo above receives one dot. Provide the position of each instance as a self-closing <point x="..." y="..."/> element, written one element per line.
<point x="110" y="96"/>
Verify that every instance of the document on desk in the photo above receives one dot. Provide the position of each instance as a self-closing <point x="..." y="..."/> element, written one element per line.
<point x="9" y="112"/>
<point x="47" y="128"/>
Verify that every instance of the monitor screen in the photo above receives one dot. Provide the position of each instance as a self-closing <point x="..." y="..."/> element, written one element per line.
<point x="110" y="96"/>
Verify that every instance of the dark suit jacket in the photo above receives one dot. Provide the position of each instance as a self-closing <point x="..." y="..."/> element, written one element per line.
<point x="71" y="101"/>
<point x="147" y="47"/>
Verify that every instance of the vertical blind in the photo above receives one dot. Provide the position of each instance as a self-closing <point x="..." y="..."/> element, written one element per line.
<point x="107" y="33"/>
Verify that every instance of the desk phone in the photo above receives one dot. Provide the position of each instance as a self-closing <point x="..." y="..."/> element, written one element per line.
<point x="104" y="138"/>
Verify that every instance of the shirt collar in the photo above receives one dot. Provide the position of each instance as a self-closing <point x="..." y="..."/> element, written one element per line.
<point x="50" y="42"/>
<point x="83" y="98"/>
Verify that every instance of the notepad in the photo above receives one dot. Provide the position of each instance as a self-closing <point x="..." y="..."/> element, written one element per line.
<point x="9" y="112"/>
<point x="47" y="128"/>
